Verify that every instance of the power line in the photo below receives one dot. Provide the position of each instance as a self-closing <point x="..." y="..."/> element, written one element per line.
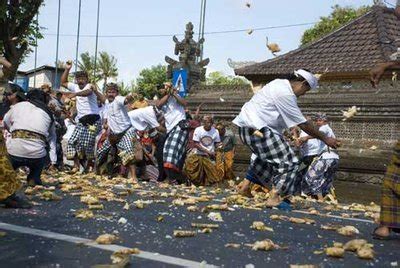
<point x="169" y="35"/>
<point x="390" y="4"/>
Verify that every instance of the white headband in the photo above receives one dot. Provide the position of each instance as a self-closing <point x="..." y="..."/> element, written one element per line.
<point x="309" y="77"/>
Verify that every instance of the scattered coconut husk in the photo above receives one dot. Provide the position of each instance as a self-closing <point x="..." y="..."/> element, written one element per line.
<point x="336" y="252"/>
<point x="279" y="217"/>
<point x="260" y="226"/>
<point x="84" y="214"/>
<point x="126" y="206"/>
<point x="90" y="200"/>
<point x="366" y="252"/>
<point x="182" y="233"/>
<point x="178" y="202"/>
<point x="218" y="207"/>
<point x="232" y="245"/>
<point x="265" y="245"/>
<point x="301" y="220"/>
<point x="106" y="239"/>
<point x="355" y="244"/>
<point x="139" y="204"/>
<point x="215" y="216"/>
<point x="350" y="113"/>
<point x="206" y="230"/>
<point x="120" y="255"/>
<point x="331" y="227"/>
<point x="192" y="208"/>
<point x="49" y="196"/>
<point x="204" y="225"/>
<point x="348" y="230"/>
<point x="96" y="207"/>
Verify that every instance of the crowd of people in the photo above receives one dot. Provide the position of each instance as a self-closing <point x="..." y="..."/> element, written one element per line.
<point x="161" y="140"/>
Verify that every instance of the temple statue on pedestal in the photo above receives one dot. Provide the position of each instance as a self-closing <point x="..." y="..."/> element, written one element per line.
<point x="188" y="69"/>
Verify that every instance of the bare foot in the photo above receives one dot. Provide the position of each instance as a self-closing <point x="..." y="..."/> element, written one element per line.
<point x="274" y="199"/>
<point x="74" y="170"/>
<point x="382" y="231"/>
<point x="243" y="188"/>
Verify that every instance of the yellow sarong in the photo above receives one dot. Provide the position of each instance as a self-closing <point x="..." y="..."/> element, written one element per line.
<point x="9" y="183"/>
<point x="200" y="170"/>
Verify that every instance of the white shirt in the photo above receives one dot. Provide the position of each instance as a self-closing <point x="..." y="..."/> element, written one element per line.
<point x="173" y="113"/>
<point x="26" y="116"/>
<point x="331" y="153"/>
<point x="117" y="115"/>
<point x="143" y="118"/>
<point x="274" y="106"/>
<point x="207" y="139"/>
<point x="84" y="105"/>
<point x="70" y="128"/>
<point x="311" y="147"/>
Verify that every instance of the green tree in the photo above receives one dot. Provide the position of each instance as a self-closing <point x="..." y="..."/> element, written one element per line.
<point x="338" y="17"/>
<point x="218" y="78"/>
<point x="18" y="31"/>
<point x="126" y="88"/>
<point x="107" y="67"/>
<point x="86" y="63"/>
<point x="150" y="79"/>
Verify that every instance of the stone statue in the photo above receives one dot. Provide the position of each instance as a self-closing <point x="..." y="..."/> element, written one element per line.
<point x="188" y="50"/>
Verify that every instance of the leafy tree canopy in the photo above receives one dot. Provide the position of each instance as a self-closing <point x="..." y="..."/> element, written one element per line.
<point x="338" y="17"/>
<point x="218" y="78"/>
<point x="19" y="30"/>
<point x="150" y="79"/>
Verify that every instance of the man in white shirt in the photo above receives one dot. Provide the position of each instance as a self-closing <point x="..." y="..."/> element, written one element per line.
<point x="173" y="107"/>
<point x="320" y="173"/>
<point x="199" y="167"/>
<point x="271" y="110"/>
<point x="32" y="135"/>
<point x="83" y="140"/>
<point x="9" y="183"/>
<point x="151" y="120"/>
<point x="121" y="134"/>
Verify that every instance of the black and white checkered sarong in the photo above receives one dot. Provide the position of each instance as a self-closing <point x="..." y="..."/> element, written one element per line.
<point x="275" y="160"/>
<point x="126" y="146"/>
<point x="175" y="148"/>
<point x="83" y="141"/>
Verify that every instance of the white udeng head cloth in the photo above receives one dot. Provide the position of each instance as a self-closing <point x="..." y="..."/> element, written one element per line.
<point x="311" y="79"/>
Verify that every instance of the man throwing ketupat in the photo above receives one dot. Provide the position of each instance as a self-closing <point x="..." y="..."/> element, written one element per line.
<point x="270" y="111"/>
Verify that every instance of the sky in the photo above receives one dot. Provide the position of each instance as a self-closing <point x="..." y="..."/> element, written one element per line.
<point x="169" y="17"/>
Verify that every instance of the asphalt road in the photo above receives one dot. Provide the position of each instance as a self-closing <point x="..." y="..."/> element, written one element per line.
<point x="25" y="248"/>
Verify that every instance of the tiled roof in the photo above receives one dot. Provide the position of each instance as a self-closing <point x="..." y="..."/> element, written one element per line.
<point x="355" y="47"/>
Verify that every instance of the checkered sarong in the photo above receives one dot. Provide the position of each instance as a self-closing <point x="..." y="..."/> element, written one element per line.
<point x="319" y="176"/>
<point x="175" y="148"/>
<point x="83" y="141"/>
<point x="127" y="147"/>
<point x="275" y="160"/>
<point x="390" y="202"/>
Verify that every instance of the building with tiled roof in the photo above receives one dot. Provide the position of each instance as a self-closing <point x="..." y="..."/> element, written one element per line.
<point x="348" y="52"/>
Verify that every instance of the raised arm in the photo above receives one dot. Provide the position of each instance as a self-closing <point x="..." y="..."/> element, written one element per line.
<point x="377" y="72"/>
<point x="162" y="101"/>
<point x="179" y="99"/>
<point x="5" y="63"/>
<point x="312" y="131"/>
<point x="98" y="94"/>
<point x="64" y="76"/>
